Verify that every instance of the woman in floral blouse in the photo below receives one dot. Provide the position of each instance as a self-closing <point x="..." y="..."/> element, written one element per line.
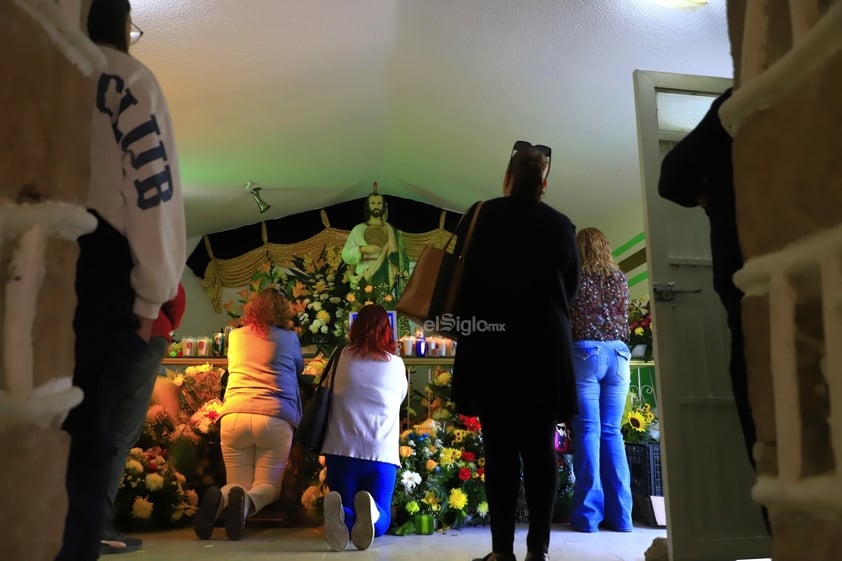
<point x="599" y="316"/>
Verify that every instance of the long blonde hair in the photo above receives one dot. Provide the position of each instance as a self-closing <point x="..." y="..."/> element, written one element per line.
<point x="595" y="252"/>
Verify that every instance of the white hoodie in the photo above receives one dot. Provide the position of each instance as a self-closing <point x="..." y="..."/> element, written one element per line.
<point x="135" y="180"/>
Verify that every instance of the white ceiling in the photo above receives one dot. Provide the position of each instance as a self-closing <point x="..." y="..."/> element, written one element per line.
<point x="316" y="99"/>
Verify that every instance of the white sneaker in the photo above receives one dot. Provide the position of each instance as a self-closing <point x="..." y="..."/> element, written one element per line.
<point x="336" y="533"/>
<point x="362" y="534"/>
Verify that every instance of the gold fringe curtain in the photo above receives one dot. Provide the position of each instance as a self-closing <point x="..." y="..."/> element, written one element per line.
<point x="237" y="272"/>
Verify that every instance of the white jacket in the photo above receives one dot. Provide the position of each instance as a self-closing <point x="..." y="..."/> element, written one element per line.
<point x="135" y="181"/>
<point x="364" y="419"/>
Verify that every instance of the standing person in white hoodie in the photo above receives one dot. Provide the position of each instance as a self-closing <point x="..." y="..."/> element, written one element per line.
<point x="127" y="268"/>
<point x="363" y="433"/>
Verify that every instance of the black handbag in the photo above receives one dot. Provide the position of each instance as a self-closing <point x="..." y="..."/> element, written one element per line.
<point x="311" y="429"/>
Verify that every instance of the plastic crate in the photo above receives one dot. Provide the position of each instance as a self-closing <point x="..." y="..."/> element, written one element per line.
<point x="645" y="467"/>
<point x="649" y="511"/>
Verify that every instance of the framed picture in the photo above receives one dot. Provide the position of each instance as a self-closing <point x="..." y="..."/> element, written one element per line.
<point x="393" y="319"/>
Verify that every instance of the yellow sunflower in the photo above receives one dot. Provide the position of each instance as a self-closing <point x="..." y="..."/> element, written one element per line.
<point x="636" y="420"/>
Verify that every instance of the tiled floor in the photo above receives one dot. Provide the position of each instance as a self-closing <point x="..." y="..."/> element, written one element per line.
<point x="299" y="543"/>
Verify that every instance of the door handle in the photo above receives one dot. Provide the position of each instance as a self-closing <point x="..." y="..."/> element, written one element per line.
<point x="666" y="291"/>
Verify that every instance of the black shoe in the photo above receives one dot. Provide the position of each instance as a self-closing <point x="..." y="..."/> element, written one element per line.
<point x="235" y="514"/>
<point x="498" y="557"/>
<point x="116" y="542"/>
<point x="205" y="519"/>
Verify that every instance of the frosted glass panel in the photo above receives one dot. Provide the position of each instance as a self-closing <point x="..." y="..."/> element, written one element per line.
<point x="681" y="112"/>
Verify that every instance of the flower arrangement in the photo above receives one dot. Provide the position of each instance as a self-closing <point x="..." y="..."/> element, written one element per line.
<point x="321" y="296"/>
<point x="205" y="421"/>
<point x="314" y="369"/>
<point x="174" y="458"/>
<point x="442" y="474"/>
<point x="640" y="323"/>
<point x="640" y="423"/>
<point x="152" y="492"/>
<point x="199" y="385"/>
<point x="373" y="294"/>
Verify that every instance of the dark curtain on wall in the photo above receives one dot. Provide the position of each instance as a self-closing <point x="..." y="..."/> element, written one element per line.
<point x="406" y="215"/>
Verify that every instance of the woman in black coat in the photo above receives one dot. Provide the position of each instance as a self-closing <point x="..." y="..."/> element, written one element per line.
<point x="513" y="367"/>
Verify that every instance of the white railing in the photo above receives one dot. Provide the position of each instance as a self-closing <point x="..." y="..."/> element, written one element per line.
<point x="815" y="38"/>
<point x="30" y="226"/>
<point x="815" y="261"/>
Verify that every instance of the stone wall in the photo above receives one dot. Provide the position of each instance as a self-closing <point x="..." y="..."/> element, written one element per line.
<point x="789" y="187"/>
<point x="46" y="106"/>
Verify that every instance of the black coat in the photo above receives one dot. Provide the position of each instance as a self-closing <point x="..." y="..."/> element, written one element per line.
<point x="521" y="270"/>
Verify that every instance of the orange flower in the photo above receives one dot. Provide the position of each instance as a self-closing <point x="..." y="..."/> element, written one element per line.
<point x="350" y="298"/>
<point x="368" y="288"/>
<point x="299" y="290"/>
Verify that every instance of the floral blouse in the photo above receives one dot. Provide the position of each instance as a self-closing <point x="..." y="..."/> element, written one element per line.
<point x="600" y="311"/>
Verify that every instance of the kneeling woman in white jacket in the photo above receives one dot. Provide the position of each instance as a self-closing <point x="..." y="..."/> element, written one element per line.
<point x="363" y="433"/>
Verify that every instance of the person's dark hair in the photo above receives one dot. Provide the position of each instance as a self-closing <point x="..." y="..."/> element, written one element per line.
<point x="367" y="210"/>
<point x="107" y="23"/>
<point x="526" y="169"/>
<point x="371" y="333"/>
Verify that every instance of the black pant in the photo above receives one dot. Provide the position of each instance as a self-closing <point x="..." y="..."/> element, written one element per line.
<point x="107" y="345"/>
<point x="739" y="385"/>
<point x="511" y="437"/>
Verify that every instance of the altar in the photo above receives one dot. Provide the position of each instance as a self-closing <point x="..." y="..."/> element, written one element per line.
<point x="426" y="411"/>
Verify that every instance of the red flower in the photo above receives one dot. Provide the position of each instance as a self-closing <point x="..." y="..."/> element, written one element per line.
<point x="471" y="423"/>
<point x="480" y="471"/>
<point x="464" y="474"/>
<point x="468" y="456"/>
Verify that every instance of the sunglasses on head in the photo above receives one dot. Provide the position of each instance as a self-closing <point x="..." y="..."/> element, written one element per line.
<point x="545" y="150"/>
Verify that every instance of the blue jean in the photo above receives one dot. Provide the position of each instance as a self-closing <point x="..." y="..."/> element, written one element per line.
<point x="347" y="476"/>
<point x="602" y="493"/>
<point x="138" y="382"/>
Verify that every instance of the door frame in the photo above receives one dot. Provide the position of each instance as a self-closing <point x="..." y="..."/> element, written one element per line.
<point x="646" y="86"/>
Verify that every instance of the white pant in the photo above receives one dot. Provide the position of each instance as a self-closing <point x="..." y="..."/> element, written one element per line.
<point x="255" y="449"/>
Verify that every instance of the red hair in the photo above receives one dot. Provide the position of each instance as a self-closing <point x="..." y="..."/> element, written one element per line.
<point x="266" y="309"/>
<point x="371" y="333"/>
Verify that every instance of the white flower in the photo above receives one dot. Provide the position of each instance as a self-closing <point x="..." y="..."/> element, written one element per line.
<point x="134" y="467"/>
<point x="324" y="329"/>
<point x="409" y="479"/>
<point x="142" y="508"/>
<point x="331" y="277"/>
<point x="178" y="380"/>
<point x="314" y="328"/>
<point x="316" y="306"/>
<point x="154" y="482"/>
<point x="335" y="300"/>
